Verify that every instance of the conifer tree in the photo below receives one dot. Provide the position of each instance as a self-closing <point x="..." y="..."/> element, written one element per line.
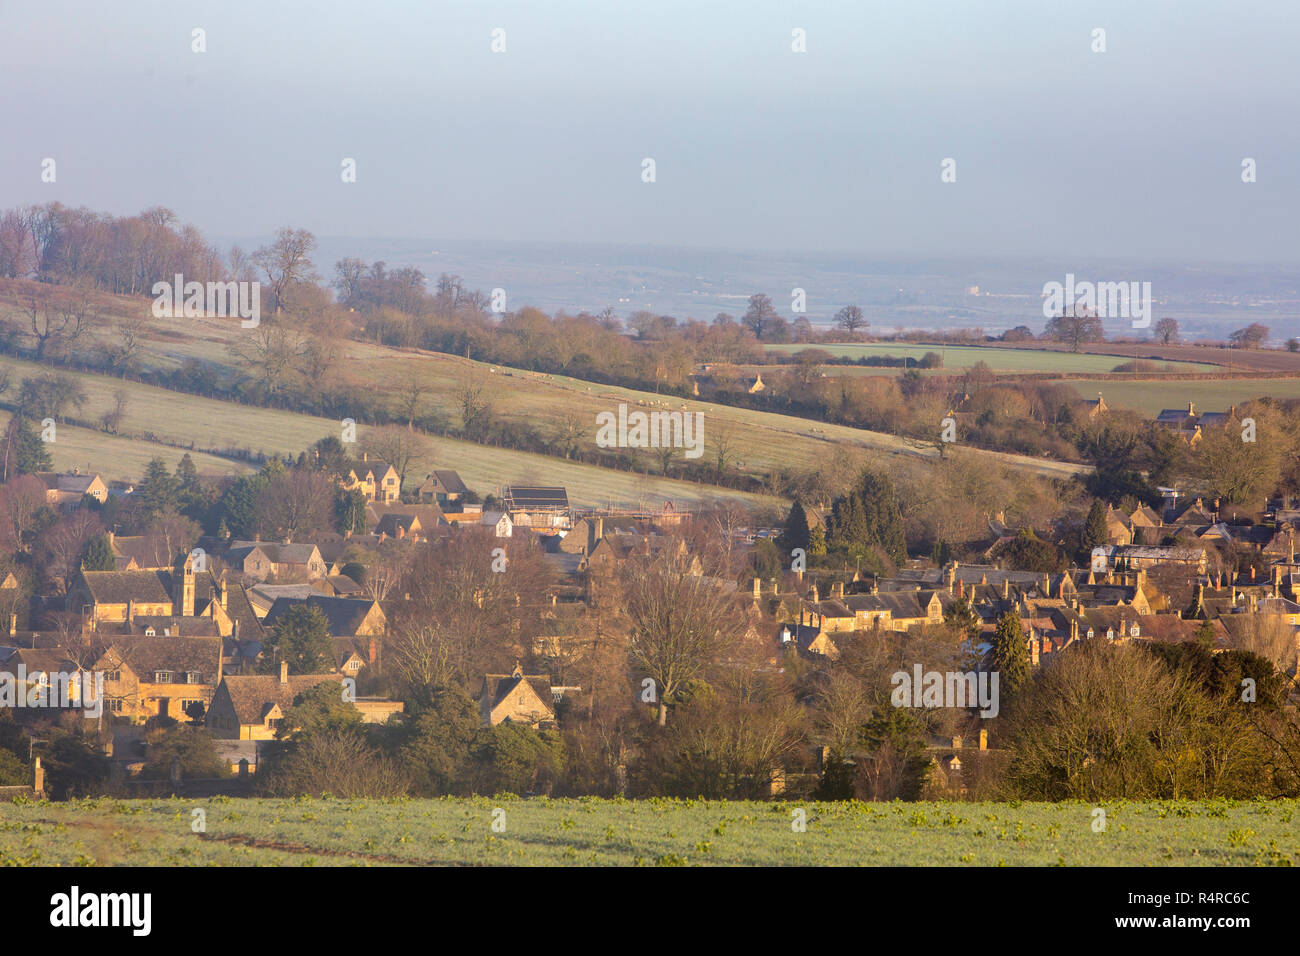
<point x="1009" y="656"/>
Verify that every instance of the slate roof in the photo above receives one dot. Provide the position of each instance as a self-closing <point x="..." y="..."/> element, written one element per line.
<point x="145" y="656"/>
<point x="238" y="605"/>
<point x="166" y="625"/>
<point x="496" y="687"/>
<point x="345" y="647"/>
<point x="344" y="615"/>
<point x="375" y="467"/>
<point x="48" y="660"/>
<point x="448" y="482"/>
<point x="147" y="550"/>
<point x="1177" y="417"/>
<point x="277" y="553"/>
<point x="390" y="524"/>
<point x="252" y="696"/>
<point x="344" y="586"/>
<point x="117" y="587"/>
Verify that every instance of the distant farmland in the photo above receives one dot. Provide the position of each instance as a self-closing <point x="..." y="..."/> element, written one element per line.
<point x="596" y="832"/>
<point x="998" y="359"/>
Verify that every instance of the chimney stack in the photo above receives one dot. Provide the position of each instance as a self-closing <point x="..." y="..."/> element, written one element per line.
<point x="284" y="672"/>
<point x="984" y="740"/>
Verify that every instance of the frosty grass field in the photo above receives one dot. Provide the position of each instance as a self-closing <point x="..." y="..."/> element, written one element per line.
<point x="455" y="831"/>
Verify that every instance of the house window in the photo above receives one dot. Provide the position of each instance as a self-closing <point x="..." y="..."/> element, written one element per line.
<point x="162" y="677"/>
<point x="113" y="676"/>
<point x="115" y="705"/>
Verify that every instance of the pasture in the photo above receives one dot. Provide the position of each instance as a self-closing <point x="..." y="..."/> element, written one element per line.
<point x="999" y="359"/>
<point x="509" y="831"/>
<point x="213" y="424"/>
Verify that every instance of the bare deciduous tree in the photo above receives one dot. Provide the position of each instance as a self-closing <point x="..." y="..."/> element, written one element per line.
<point x="680" y="623"/>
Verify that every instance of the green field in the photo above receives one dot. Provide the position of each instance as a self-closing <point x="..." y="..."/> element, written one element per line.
<point x="1151" y="396"/>
<point x="998" y="359"/>
<point x="760" y="441"/>
<point x="117" y="456"/>
<point x="210" y="423"/>
<point x="592" y="831"/>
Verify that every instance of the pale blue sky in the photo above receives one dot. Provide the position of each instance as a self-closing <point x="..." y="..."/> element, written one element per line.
<point x="1135" y="152"/>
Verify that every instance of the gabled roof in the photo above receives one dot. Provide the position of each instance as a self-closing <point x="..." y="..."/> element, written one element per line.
<point x="145" y="656"/>
<point x="149" y="551"/>
<point x="1179" y="417"/>
<point x="344" y="615"/>
<point x="48" y="660"/>
<point x="393" y="524"/>
<point x="497" y="687"/>
<point x="238" y="606"/>
<point x="1144" y="517"/>
<point x="430" y="515"/>
<point x="119" y="587"/>
<point x="344" y="586"/>
<point x="254" y="695"/>
<point x="448" y="482"/>
<point x="276" y="552"/>
<point x="375" y="467"/>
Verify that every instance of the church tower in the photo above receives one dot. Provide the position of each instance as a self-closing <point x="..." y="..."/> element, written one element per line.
<point x="183" y="587"/>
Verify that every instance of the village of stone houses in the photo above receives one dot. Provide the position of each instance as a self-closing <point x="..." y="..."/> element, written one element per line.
<point x="450" y="642"/>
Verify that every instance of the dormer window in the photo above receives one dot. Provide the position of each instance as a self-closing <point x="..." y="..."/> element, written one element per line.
<point x="162" y="677"/>
<point x="193" y="677"/>
<point x="149" y="632"/>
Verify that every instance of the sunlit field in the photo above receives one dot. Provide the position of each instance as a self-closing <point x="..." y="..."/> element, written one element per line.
<point x="590" y="831"/>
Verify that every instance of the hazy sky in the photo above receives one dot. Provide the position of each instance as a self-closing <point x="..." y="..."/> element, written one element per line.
<point x="1135" y="152"/>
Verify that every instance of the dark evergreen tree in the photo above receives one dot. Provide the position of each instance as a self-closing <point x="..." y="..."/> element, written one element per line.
<point x="1094" y="528"/>
<point x="24" y="452"/>
<point x="99" y="555"/>
<point x="883" y="516"/>
<point x="795" y="534"/>
<point x="238" y="506"/>
<point x="159" y="491"/>
<point x="1009" y="656"/>
<point x="301" y="636"/>
<point x="351" y="510"/>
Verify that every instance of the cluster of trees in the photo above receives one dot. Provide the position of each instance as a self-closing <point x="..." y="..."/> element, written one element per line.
<point x="1133" y="456"/>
